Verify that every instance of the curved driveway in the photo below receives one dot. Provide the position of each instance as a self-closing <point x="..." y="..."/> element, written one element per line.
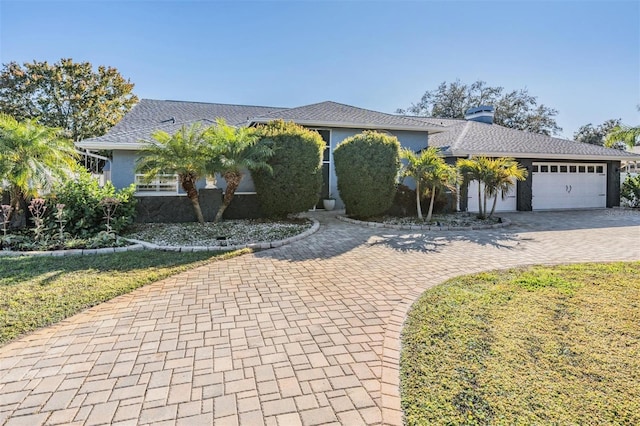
<point x="304" y="334"/>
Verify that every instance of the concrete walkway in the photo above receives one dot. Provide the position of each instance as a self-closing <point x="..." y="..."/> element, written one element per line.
<point x="304" y="334"/>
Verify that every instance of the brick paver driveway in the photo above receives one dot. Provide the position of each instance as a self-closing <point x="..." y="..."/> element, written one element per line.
<point x="303" y="334"/>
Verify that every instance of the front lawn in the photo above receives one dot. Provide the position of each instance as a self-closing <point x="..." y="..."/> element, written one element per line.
<point x="541" y="345"/>
<point x="39" y="291"/>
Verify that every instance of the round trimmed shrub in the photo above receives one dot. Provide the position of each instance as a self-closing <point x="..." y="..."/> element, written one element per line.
<point x="294" y="184"/>
<point x="367" y="167"/>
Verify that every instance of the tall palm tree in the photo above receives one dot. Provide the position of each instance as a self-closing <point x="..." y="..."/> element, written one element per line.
<point x="430" y="173"/>
<point x="185" y="153"/>
<point x="234" y="150"/>
<point x="32" y="158"/>
<point x="627" y="134"/>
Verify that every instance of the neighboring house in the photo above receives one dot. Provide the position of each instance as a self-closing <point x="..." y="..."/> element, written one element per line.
<point x="563" y="174"/>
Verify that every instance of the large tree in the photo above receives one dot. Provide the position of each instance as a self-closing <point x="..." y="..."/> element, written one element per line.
<point x="67" y="95"/>
<point x="32" y="158"/>
<point x="185" y="153"/>
<point x="516" y="109"/>
<point x="595" y="135"/>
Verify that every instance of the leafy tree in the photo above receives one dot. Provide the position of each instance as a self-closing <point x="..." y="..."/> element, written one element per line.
<point x="367" y="167"/>
<point x="233" y="151"/>
<point x="630" y="191"/>
<point x="516" y="109"/>
<point x="494" y="176"/>
<point x="185" y="153"/>
<point x="67" y="95"/>
<point x="430" y="173"/>
<point x="628" y="135"/>
<point x="595" y="135"/>
<point x="32" y="158"/>
<point x="295" y="179"/>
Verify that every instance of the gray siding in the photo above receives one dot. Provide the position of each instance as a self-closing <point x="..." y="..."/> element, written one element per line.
<point x="123" y="168"/>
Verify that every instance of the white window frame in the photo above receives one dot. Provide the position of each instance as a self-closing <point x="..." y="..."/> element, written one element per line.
<point x="165" y="184"/>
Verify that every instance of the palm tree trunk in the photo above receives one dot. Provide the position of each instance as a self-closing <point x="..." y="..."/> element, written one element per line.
<point x="18" y="214"/>
<point x="493" y="209"/>
<point x="418" y="206"/>
<point x="480" y="215"/>
<point x="188" y="185"/>
<point x="233" y="182"/>
<point x="433" y="197"/>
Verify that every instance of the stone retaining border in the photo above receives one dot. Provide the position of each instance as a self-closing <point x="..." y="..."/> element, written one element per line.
<point x="143" y="245"/>
<point x="505" y="222"/>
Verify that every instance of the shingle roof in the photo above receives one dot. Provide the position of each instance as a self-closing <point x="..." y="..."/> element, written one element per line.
<point x="474" y="138"/>
<point x="149" y="115"/>
<point x="444" y="122"/>
<point x="340" y="115"/>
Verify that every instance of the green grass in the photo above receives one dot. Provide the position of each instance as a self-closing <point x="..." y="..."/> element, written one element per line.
<point x="541" y="345"/>
<point x="39" y="291"/>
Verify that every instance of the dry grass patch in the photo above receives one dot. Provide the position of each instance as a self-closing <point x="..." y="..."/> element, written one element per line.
<point x="542" y="345"/>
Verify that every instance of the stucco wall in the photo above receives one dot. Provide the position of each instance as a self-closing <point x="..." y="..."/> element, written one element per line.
<point x="123" y="165"/>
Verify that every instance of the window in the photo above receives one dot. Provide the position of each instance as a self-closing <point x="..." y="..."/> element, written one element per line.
<point x="573" y="169"/>
<point x="599" y="169"/>
<point x="591" y="169"/>
<point x="554" y="169"/>
<point x="544" y="169"/>
<point x="160" y="184"/>
<point x="563" y="169"/>
<point x="581" y="169"/>
<point x="534" y="169"/>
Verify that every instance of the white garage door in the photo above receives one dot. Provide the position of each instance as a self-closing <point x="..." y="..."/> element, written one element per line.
<point x="569" y="186"/>
<point x="507" y="204"/>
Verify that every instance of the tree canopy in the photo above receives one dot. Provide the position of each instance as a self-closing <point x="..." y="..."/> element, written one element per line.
<point x="595" y="135"/>
<point x="66" y="95"/>
<point x="516" y="109"/>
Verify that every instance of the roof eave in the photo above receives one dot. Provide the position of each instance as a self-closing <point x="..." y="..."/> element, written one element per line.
<point x="549" y="156"/>
<point x="126" y="146"/>
<point x="367" y="126"/>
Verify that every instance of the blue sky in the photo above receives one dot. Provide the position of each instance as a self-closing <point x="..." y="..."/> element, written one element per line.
<point x="579" y="57"/>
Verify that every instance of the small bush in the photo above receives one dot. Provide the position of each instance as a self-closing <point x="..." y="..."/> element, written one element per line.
<point x="294" y="184"/>
<point x="367" y="166"/>
<point x="83" y="212"/>
<point x="630" y="191"/>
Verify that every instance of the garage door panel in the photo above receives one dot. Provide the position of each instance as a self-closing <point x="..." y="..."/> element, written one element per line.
<point x="569" y="186"/>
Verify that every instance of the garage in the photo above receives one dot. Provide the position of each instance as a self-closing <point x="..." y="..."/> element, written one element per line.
<point x="569" y="186"/>
<point x="504" y="204"/>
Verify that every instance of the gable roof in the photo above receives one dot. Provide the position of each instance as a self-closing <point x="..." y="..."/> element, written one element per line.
<point x="474" y="138"/>
<point x="333" y="114"/>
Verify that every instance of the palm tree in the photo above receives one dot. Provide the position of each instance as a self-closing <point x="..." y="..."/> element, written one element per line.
<point x="234" y="150"/>
<point x="471" y="169"/>
<point x="430" y="173"/>
<point x="494" y="176"/>
<point x="185" y="153"/>
<point x="627" y="134"/>
<point x="503" y="173"/>
<point x="32" y="158"/>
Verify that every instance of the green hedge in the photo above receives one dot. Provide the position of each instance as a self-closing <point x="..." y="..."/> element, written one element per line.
<point x="367" y="167"/>
<point x="294" y="184"/>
